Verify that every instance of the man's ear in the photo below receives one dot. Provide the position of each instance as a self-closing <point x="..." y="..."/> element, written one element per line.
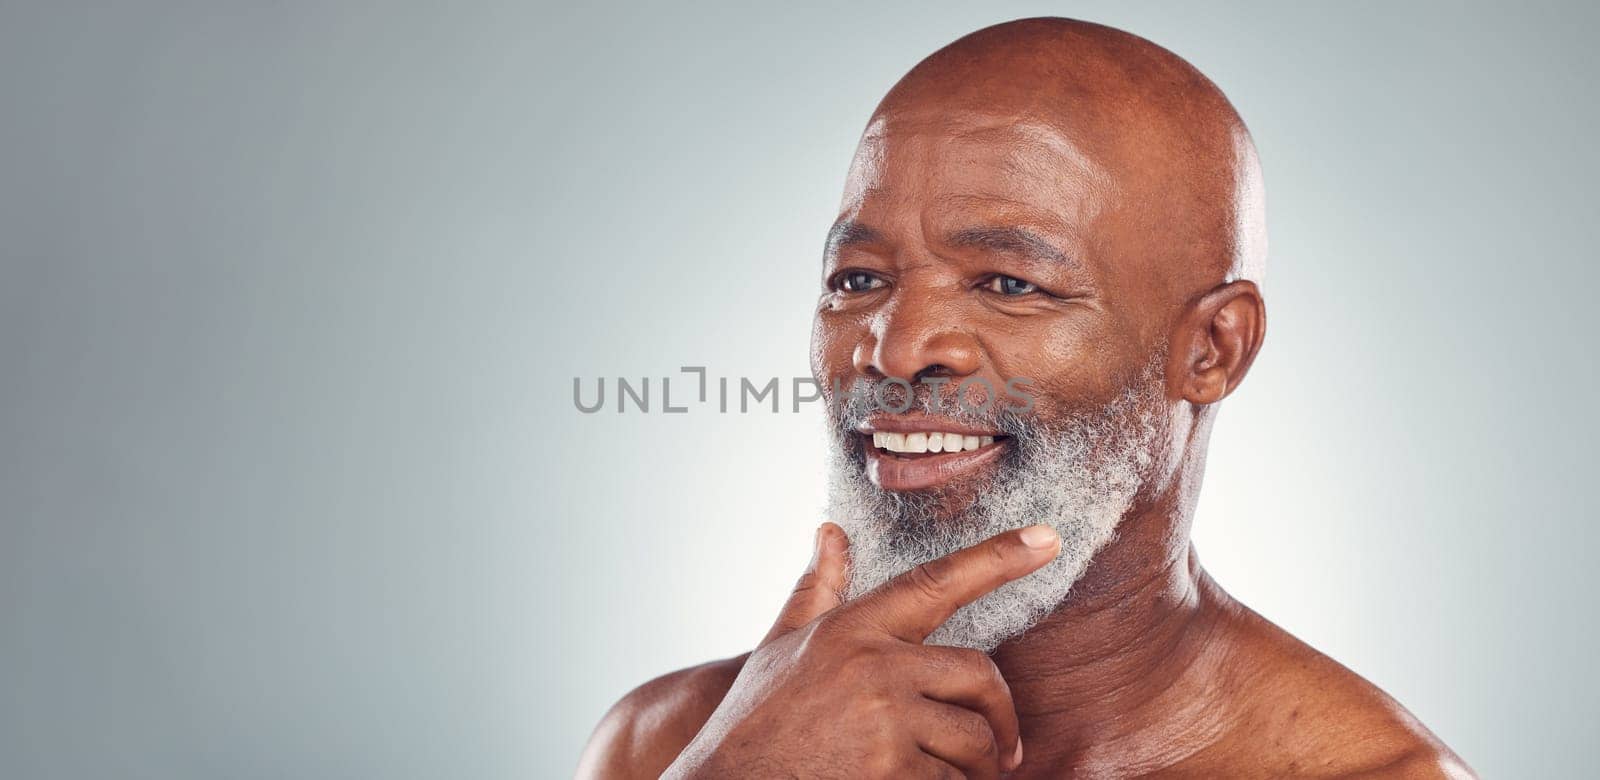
<point x="1218" y="340"/>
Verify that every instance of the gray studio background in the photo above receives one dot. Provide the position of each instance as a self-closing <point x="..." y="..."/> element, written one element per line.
<point x="293" y="295"/>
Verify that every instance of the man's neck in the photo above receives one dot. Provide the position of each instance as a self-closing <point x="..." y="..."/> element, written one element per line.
<point x="1105" y="674"/>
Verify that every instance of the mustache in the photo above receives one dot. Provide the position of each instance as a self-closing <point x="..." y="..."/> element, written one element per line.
<point x="852" y="410"/>
<point x="1027" y="434"/>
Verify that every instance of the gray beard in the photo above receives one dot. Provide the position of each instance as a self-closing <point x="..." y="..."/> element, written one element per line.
<point x="1079" y="475"/>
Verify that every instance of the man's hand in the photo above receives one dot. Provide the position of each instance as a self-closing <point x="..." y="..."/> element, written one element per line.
<point x="849" y="689"/>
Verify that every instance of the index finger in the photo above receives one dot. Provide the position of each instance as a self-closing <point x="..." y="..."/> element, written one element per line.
<point x="914" y="604"/>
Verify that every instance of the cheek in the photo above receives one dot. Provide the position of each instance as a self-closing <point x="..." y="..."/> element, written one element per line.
<point x="833" y="342"/>
<point x="1070" y="364"/>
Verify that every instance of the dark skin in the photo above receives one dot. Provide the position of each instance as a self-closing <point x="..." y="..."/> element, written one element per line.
<point x="1060" y="201"/>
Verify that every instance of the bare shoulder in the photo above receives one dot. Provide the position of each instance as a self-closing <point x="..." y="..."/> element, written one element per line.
<point x="1305" y="714"/>
<point x="643" y="732"/>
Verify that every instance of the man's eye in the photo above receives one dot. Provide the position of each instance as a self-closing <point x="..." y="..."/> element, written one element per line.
<point x="1010" y="285"/>
<point x="859" y="281"/>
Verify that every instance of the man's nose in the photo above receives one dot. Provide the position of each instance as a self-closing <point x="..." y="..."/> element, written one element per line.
<point x="914" y="341"/>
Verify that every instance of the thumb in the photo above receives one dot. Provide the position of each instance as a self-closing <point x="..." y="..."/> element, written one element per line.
<point x="818" y="589"/>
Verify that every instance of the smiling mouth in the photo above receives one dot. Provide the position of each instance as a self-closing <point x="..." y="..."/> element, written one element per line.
<point x="924" y="460"/>
<point x="922" y="443"/>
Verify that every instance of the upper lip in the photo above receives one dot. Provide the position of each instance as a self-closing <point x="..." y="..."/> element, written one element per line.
<point x="921" y="424"/>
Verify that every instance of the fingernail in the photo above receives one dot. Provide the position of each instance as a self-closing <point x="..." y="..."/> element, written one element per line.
<point x="1039" y="536"/>
<point x="1016" y="758"/>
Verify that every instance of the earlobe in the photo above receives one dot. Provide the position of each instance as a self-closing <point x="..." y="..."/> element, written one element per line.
<point x="1223" y="332"/>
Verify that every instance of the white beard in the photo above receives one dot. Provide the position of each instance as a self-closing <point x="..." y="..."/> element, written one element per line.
<point x="1079" y="477"/>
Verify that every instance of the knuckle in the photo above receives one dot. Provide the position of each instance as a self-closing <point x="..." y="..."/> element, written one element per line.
<point x="823" y="641"/>
<point x="990" y="673"/>
<point x="808" y="640"/>
<point x="929" y="579"/>
<point x="978" y="667"/>
<point x="882" y="763"/>
<point x="873" y="707"/>
<point x="974" y="732"/>
<point x="820" y="630"/>
<point x="861" y="662"/>
<point x="1000" y="549"/>
<point x="806" y="582"/>
<point x="985" y="746"/>
<point x="828" y="632"/>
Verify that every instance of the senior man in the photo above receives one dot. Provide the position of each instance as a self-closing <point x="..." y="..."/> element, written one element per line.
<point x="1009" y="589"/>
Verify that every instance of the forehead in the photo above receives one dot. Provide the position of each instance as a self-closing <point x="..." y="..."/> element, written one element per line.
<point x="947" y="166"/>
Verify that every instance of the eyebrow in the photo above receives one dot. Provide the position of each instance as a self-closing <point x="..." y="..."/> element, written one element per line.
<point x="849" y="233"/>
<point x="1016" y="240"/>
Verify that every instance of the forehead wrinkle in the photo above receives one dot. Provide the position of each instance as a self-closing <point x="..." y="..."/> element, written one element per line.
<point x="1032" y="130"/>
<point x="1013" y="239"/>
<point x="1026" y="173"/>
<point x="1062" y="232"/>
<point x="1013" y="145"/>
<point x="866" y="167"/>
<point x="1012" y="131"/>
<point x="1022" y="159"/>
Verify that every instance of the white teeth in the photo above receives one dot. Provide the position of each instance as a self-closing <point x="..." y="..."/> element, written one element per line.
<point x="928" y="442"/>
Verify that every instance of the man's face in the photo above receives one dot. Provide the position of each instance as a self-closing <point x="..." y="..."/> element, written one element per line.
<point x="983" y="249"/>
<point x="988" y="247"/>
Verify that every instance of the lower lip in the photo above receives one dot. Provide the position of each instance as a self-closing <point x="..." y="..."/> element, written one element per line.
<point x="923" y="472"/>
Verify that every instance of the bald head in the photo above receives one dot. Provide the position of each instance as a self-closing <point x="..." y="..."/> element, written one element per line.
<point x="1158" y="144"/>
